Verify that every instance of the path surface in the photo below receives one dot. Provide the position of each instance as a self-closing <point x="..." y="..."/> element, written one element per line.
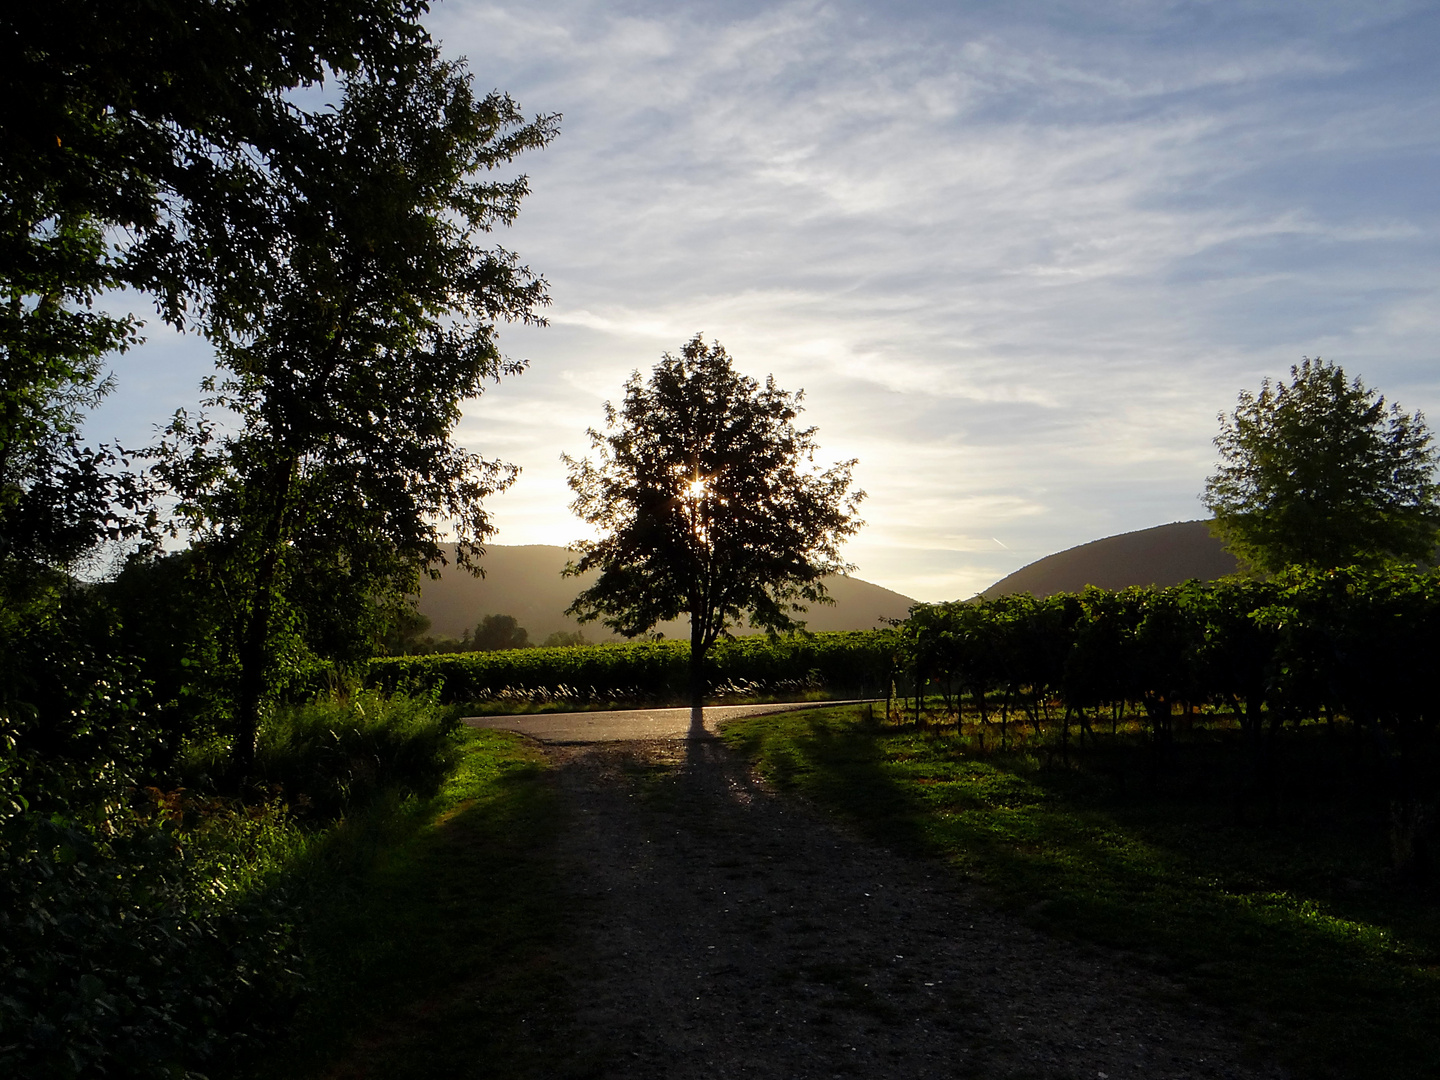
<point x="722" y="930"/>
<point x="629" y="724"/>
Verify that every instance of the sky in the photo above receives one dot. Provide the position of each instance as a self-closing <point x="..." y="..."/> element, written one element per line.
<point x="1018" y="255"/>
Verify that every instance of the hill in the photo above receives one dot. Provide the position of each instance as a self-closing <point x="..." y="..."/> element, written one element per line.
<point x="1164" y="555"/>
<point x="524" y="581"/>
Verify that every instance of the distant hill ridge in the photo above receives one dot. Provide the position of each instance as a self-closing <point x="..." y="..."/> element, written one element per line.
<point x="1164" y="555"/>
<point x="524" y="581"/>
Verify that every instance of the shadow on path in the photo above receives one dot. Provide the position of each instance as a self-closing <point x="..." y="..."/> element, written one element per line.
<point x="728" y="932"/>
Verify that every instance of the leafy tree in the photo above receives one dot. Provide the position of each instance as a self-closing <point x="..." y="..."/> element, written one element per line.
<point x="119" y="122"/>
<point x="407" y="633"/>
<point x="1318" y="472"/>
<point x="709" y="504"/>
<point x="565" y="639"/>
<point x="497" y="632"/>
<point x="353" y="330"/>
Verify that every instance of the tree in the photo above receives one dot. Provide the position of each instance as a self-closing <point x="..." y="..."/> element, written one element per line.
<point x="1318" y="472"/>
<point x="354" y="327"/>
<point x="119" y="121"/>
<point x="709" y="504"/>
<point x="495" y="633"/>
<point x="565" y="639"/>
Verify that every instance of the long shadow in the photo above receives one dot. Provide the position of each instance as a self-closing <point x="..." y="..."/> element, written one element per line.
<point x="439" y="953"/>
<point x="841" y="764"/>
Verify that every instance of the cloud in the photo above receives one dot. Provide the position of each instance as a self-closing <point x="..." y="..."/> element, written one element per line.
<point x="1018" y="255"/>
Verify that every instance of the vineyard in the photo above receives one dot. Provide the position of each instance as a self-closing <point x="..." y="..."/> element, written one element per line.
<point x="1353" y="643"/>
<point x="1348" y="648"/>
<point x="859" y="663"/>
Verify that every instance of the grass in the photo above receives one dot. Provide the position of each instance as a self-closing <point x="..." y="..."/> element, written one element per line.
<point x="1295" y="927"/>
<point x="437" y="942"/>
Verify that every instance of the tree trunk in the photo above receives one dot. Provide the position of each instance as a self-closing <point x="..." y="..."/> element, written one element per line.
<point x="697" y="672"/>
<point x="253" y="646"/>
<point x="252" y="657"/>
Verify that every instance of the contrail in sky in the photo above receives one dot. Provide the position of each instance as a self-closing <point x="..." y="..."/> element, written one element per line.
<point x="998" y="542"/>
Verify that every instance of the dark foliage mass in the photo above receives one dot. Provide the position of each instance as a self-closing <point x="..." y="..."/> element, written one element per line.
<point x="856" y="661"/>
<point x="1351" y="642"/>
<point x="156" y="751"/>
<point x="1355" y="643"/>
<point x="117" y="963"/>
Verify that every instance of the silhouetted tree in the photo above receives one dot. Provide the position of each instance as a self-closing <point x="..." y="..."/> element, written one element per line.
<point x="496" y="632"/>
<point x="709" y="504"/>
<point x="120" y="124"/>
<point x="565" y="639"/>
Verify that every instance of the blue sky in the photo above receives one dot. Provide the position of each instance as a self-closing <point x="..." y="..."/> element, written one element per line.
<point x="1019" y="255"/>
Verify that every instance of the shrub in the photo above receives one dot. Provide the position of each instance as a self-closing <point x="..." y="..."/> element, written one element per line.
<point x="340" y="751"/>
<point x="134" y="956"/>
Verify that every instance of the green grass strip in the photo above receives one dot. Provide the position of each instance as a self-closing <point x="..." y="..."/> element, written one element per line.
<point x="437" y="940"/>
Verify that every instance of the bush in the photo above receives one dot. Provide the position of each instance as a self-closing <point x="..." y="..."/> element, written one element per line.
<point x="133" y="957"/>
<point x="164" y="940"/>
<point x="340" y="751"/>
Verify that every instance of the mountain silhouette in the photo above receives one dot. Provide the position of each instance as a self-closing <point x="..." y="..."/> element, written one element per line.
<point x="524" y="581"/>
<point x="1164" y="555"/>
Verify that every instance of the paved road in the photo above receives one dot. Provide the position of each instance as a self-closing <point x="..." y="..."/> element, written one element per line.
<point x="625" y="725"/>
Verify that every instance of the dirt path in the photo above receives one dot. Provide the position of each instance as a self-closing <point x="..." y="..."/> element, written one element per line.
<point x="623" y="725"/>
<point x="734" y="933"/>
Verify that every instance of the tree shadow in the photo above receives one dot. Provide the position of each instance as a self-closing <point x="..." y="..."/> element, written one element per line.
<point x="442" y="952"/>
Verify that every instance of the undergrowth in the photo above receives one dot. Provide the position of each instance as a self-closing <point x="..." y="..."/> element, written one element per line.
<point x="168" y="937"/>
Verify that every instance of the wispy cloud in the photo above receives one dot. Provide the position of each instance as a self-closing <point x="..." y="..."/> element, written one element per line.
<point x="1018" y="255"/>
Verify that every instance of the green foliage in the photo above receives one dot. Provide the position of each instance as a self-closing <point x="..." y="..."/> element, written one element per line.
<point x="78" y="730"/>
<point x="496" y="632"/>
<point x="339" y="752"/>
<point x="707" y="506"/>
<point x="1317" y="472"/>
<point x="120" y="126"/>
<point x="168" y="942"/>
<point x="1352" y="642"/>
<point x="565" y="639"/>
<point x="352" y="330"/>
<point x="130" y="957"/>
<point x="855" y="661"/>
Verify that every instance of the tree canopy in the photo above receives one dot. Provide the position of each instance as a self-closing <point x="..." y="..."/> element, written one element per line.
<point x="709" y="503"/>
<point x="121" y="124"/>
<point x="495" y="633"/>
<point x="353" y="329"/>
<point x="1318" y="472"/>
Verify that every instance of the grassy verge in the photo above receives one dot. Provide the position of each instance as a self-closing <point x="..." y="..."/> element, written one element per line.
<point x="436" y="942"/>
<point x="1295" y="927"/>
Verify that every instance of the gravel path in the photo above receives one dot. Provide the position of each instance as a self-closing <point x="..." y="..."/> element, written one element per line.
<point x="731" y="932"/>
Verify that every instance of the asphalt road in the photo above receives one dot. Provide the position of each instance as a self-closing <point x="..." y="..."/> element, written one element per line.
<point x="627" y="725"/>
